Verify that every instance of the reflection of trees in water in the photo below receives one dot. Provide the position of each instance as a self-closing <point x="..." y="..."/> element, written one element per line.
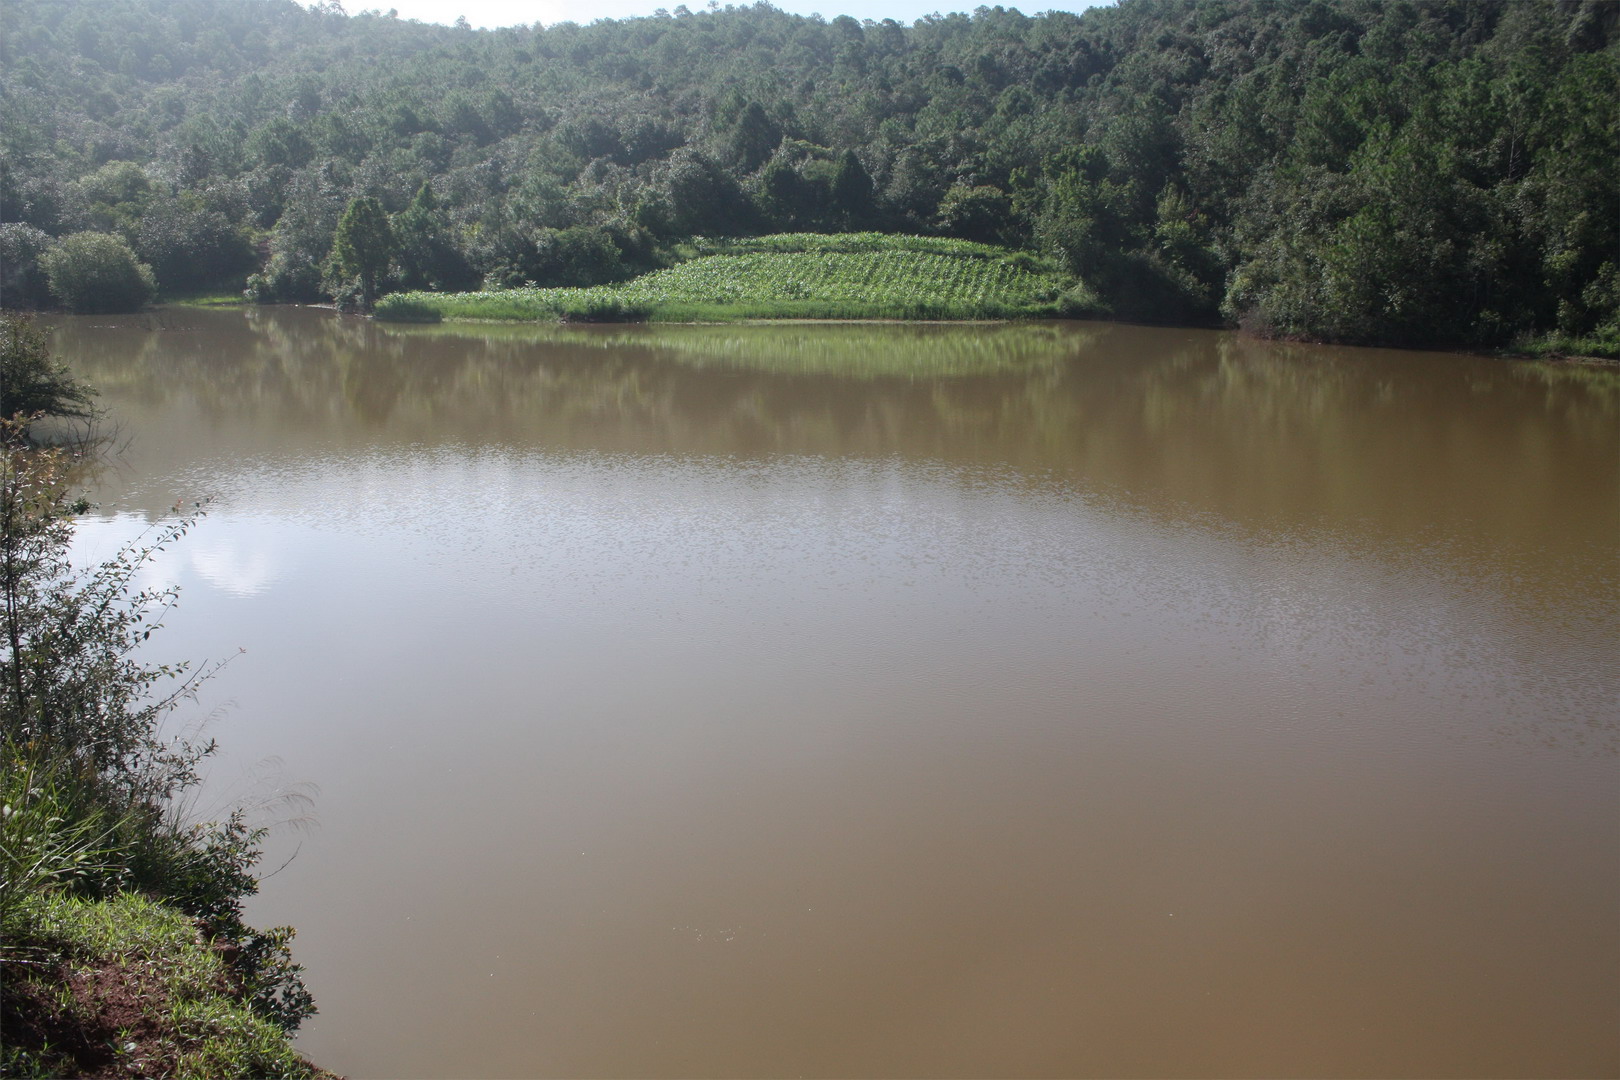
<point x="1584" y="396"/>
<point x="1264" y="434"/>
<point x="1464" y="467"/>
<point x="310" y="370"/>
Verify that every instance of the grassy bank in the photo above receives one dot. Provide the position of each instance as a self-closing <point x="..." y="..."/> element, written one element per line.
<point x="203" y="299"/>
<point x="791" y="276"/>
<point x="1597" y="346"/>
<point x="128" y="987"/>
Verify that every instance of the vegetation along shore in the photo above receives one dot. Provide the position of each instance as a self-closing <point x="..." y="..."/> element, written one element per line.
<point x="123" y="949"/>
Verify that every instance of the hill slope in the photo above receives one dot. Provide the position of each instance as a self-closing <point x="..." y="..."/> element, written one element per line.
<point x="1410" y="171"/>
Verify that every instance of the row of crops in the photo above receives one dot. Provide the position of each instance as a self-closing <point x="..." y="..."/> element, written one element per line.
<point x="861" y="276"/>
<point x="851" y="242"/>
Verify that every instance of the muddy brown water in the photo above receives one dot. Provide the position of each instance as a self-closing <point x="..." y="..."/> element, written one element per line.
<point x="1058" y="700"/>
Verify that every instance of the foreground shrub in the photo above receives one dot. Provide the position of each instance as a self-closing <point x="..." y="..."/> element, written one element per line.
<point x="32" y="383"/>
<point x="51" y="837"/>
<point x="91" y="783"/>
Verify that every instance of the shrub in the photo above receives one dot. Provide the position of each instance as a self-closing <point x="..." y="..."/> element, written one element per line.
<point x="290" y="277"/>
<point x="97" y="272"/>
<point x="31" y="383"/>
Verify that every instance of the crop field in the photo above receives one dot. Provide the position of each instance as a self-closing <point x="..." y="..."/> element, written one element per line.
<point x="857" y="276"/>
<point x="849" y="242"/>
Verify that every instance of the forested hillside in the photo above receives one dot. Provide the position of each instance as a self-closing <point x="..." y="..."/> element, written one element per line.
<point x="1409" y="172"/>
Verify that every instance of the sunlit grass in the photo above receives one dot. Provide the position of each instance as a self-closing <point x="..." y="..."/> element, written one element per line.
<point x="136" y="950"/>
<point x="205" y="300"/>
<point x="1598" y="346"/>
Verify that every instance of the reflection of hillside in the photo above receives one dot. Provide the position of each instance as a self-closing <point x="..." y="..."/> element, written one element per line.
<point x="1404" y="445"/>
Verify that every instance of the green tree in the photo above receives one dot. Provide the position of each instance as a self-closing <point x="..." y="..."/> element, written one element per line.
<point x="114" y="197"/>
<point x="425" y="256"/>
<point x="361" y="250"/>
<point x="32" y="383"/>
<point x="578" y="255"/>
<point x="22" y="281"/>
<point x="192" y="247"/>
<point x="301" y="241"/>
<point x="982" y="213"/>
<point x="752" y="137"/>
<point x="97" y="272"/>
<point x="853" y="204"/>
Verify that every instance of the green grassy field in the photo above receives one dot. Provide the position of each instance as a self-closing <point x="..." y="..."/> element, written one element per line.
<point x="791" y="276"/>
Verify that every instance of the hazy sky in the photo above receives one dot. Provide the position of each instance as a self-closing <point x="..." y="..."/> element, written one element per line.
<point x="491" y="13"/>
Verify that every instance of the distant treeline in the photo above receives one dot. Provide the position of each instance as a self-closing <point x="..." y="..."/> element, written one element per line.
<point x="1367" y="170"/>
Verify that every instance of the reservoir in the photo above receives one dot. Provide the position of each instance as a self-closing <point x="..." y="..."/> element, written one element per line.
<point x="1066" y="699"/>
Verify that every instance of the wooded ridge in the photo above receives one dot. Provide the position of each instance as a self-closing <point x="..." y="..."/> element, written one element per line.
<point x="1420" y="173"/>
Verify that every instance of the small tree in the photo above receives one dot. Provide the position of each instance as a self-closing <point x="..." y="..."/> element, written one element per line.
<point x="361" y="249"/>
<point x="425" y="256"/>
<point x="22" y="281"/>
<point x="69" y="677"/>
<point x="97" y="272"/>
<point x="31" y="383"/>
<point x="852" y="201"/>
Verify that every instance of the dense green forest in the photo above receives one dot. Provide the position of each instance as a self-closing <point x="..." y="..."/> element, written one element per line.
<point x="1410" y="172"/>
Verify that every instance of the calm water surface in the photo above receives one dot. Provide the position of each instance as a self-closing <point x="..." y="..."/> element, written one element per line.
<point x="1069" y="700"/>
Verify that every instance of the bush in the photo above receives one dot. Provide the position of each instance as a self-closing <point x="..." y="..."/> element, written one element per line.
<point x="69" y="677"/>
<point x="31" y="383"/>
<point x="291" y="278"/>
<point x="97" y="272"/>
<point x="192" y="248"/>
